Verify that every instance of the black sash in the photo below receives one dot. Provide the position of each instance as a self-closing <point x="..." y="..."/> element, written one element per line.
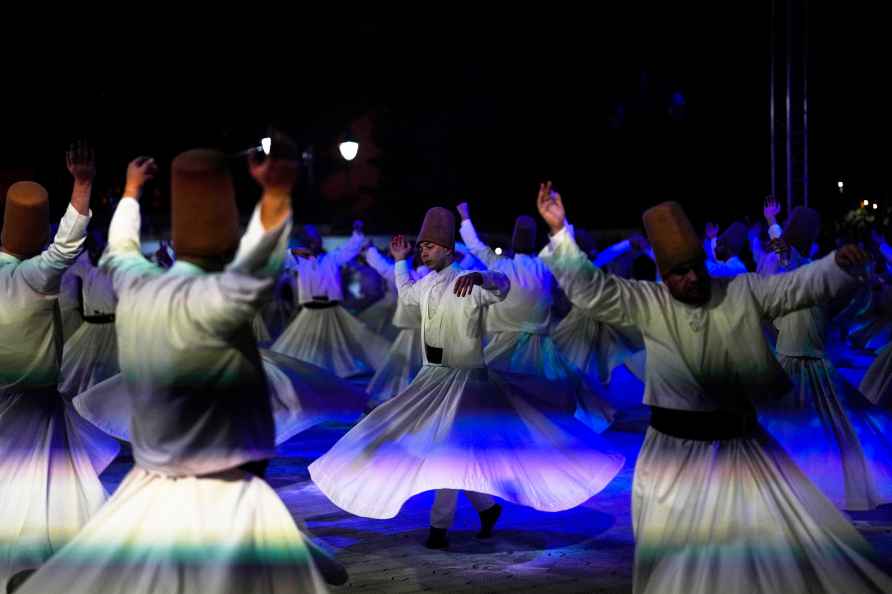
<point x="255" y="467"/>
<point x="434" y="354"/>
<point x="100" y="319"/>
<point x="320" y="302"/>
<point x="703" y="425"/>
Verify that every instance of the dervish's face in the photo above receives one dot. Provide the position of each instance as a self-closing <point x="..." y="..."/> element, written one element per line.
<point x="689" y="282"/>
<point x="436" y="257"/>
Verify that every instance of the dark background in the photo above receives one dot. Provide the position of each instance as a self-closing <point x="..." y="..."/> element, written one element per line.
<point x="621" y="107"/>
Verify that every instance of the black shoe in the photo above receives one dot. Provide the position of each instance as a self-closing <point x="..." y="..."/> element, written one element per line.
<point x="437" y="539"/>
<point x="17" y="580"/>
<point x="488" y="519"/>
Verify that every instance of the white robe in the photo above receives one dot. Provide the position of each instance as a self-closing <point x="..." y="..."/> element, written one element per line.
<point x="597" y="349"/>
<point x="877" y="382"/>
<point x="871" y="327"/>
<point x="517" y="331"/>
<point x="404" y="357"/>
<point x="51" y="458"/>
<point x="330" y="338"/>
<point x="186" y="518"/>
<point x="301" y="396"/>
<point x="825" y="425"/>
<point x="217" y="535"/>
<point x="258" y="327"/>
<point x="728" y="516"/>
<point x="459" y="426"/>
<point x="281" y="309"/>
<point x="69" y="305"/>
<point x="833" y="433"/>
<point x="379" y="315"/>
<point x="90" y="355"/>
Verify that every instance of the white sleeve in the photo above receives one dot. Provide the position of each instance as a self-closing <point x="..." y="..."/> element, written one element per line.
<point x="480" y="250"/>
<point x="408" y="292"/>
<point x="605" y="297"/>
<point x="227" y="301"/>
<point x="123" y="258"/>
<point x="381" y="264"/>
<point x="348" y="250"/>
<point x="495" y="288"/>
<point x="809" y="285"/>
<point x="43" y="272"/>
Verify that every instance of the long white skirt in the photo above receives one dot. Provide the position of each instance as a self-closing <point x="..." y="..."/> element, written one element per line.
<point x="404" y="361"/>
<point x="261" y="332"/>
<point x="458" y="429"/>
<point x="218" y="534"/>
<point x="49" y="477"/>
<point x="877" y="382"/>
<point x="302" y="396"/>
<point x="535" y="354"/>
<point x="71" y="321"/>
<point x="89" y="357"/>
<point x="738" y="517"/>
<point x="277" y="314"/>
<point x="834" y="434"/>
<point x="378" y="317"/>
<point x="595" y="348"/>
<point x="333" y="339"/>
<point x="871" y="334"/>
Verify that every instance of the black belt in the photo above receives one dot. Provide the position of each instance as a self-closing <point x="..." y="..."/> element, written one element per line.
<point x="320" y="302"/>
<point x="703" y="425"/>
<point x="434" y="354"/>
<point x="255" y="467"/>
<point x="100" y="319"/>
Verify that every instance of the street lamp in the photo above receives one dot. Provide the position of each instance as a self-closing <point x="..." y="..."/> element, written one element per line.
<point x="349" y="147"/>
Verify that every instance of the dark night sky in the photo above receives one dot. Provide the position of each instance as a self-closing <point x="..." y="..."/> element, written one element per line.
<point x="475" y="109"/>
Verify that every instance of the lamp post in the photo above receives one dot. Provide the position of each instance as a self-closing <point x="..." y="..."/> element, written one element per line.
<point x="349" y="148"/>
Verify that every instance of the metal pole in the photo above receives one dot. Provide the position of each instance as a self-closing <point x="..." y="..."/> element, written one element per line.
<point x="771" y="100"/>
<point x="805" y="102"/>
<point x="789" y="134"/>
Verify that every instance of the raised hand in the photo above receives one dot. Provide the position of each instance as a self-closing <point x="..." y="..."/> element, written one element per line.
<point x="852" y="259"/>
<point x="399" y="247"/>
<point x="277" y="172"/>
<point x="463" y="211"/>
<point x="712" y="230"/>
<point x="81" y="162"/>
<point x="771" y="209"/>
<point x="551" y="207"/>
<point x="140" y="171"/>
